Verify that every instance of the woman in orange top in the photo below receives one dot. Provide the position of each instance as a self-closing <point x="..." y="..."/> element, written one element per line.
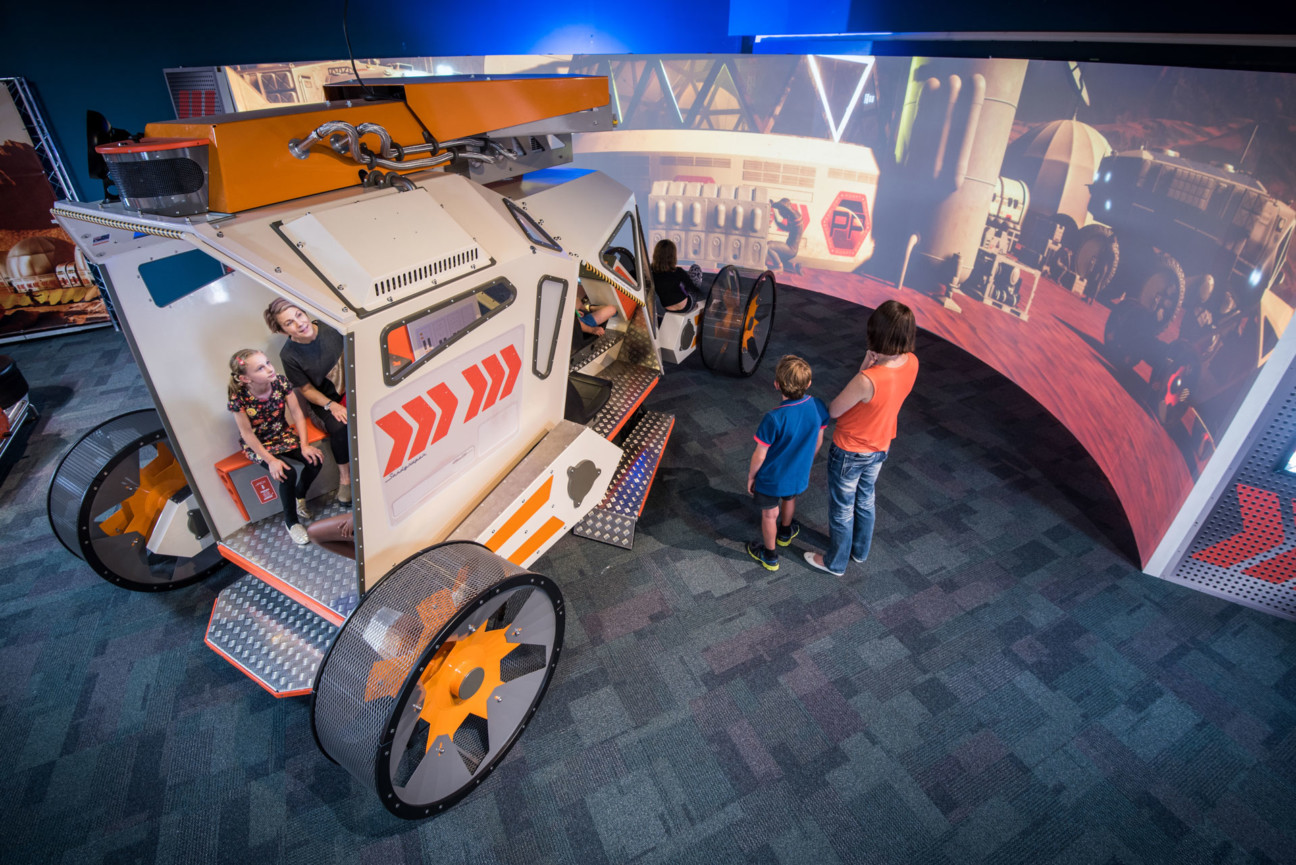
<point x="866" y="411"/>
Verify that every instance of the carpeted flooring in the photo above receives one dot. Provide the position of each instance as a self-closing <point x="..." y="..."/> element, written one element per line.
<point x="998" y="684"/>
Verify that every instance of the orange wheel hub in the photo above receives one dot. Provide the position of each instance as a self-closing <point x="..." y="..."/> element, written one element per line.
<point x="460" y="679"/>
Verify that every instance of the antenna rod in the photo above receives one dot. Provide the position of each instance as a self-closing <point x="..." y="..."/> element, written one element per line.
<point x="1248" y="147"/>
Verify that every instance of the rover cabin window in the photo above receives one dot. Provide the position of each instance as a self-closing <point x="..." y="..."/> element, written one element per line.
<point x="531" y="228"/>
<point x="409" y="343"/>
<point x="618" y="254"/>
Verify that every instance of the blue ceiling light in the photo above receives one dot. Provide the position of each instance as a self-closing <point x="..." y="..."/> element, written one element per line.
<point x="578" y="39"/>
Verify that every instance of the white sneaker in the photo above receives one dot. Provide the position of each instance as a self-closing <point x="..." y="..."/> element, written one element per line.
<point x="303" y="510"/>
<point x="298" y="533"/>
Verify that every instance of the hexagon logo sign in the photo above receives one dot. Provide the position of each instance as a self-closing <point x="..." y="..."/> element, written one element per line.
<point x="847" y="223"/>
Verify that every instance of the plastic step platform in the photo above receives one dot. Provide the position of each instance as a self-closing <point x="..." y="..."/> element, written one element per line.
<point x="613" y="521"/>
<point x="276" y="641"/>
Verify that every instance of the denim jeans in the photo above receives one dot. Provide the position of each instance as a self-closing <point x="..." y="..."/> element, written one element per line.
<point x="851" y="514"/>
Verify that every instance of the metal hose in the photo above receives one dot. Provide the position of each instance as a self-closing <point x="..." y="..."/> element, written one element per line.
<point x="345" y="140"/>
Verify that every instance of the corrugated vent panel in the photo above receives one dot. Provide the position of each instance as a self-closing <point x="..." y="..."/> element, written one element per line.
<point x="1246" y="548"/>
<point x="448" y="264"/>
<point x="195" y="92"/>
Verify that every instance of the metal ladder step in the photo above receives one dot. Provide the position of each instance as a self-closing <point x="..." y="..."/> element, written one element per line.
<point x="631" y="382"/>
<point x="276" y="641"/>
<point x="613" y="521"/>
<point x="322" y="581"/>
<point x="596" y="349"/>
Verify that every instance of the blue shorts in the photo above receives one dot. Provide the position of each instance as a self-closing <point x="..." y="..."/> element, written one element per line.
<point x="587" y="319"/>
<point x="768" y="502"/>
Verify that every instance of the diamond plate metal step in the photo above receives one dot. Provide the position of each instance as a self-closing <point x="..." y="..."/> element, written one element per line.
<point x="613" y="520"/>
<point x="276" y="641"/>
<point x="323" y="582"/>
<point x="630" y="384"/>
<point x="595" y="349"/>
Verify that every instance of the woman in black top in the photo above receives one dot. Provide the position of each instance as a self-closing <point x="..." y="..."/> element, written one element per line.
<point x="671" y="282"/>
<point x="312" y="362"/>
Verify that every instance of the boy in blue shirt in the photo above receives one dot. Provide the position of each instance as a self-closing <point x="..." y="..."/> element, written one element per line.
<point x="787" y="440"/>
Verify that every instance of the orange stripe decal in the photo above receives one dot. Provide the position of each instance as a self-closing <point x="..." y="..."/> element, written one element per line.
<point x="538" y="499"/>
<point x="536" y="541"/>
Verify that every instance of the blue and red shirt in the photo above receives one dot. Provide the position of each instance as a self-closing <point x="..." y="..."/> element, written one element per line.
<point x="790" y="431"/>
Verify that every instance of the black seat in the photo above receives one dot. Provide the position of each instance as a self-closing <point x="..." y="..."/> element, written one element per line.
<point x="586" y="396"/>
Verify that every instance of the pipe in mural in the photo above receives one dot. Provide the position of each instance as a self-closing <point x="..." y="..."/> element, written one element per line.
<point x="954" y="130"/>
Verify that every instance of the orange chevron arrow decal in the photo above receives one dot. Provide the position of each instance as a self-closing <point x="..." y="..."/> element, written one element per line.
<point x="425" y="416"/>
<point x="477" y="382"/>
<point x="1279" y="569"/>
<point x="514" y="364"/>
<point x="495" y="370"/>
<point x="446" y="403"/>
<point x="401" y="433"/>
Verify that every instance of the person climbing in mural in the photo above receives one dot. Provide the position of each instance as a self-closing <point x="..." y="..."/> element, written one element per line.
<point x="787" y="217"/>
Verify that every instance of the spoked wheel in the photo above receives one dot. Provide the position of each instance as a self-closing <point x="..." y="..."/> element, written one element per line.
<point x="436" y="674"/>
<point x="1161" y="288"/>
<point x="1095" y="257"/>
<point x="107" y="496"/>
<point x="737" y="323"/>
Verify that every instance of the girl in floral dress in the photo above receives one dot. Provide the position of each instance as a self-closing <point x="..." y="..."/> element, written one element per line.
<point x="272" y="430"/>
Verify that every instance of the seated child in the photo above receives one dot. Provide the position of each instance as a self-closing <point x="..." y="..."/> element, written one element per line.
<point x="787" y="440"/>
<point x="272" y="429"/>
<point x="590" y="317"/>
<point x="671" y="281"/>
<point x="335" y="534"/>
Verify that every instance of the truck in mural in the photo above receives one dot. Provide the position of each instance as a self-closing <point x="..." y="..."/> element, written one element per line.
<point x="1182" y="241"/>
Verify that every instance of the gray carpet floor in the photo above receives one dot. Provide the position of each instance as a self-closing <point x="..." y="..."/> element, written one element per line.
<point x="998" y="684"/>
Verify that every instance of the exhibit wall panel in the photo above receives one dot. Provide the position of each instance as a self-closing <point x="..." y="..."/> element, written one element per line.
<point x="1245" y="548"/>
<point x="1113" y="239"/>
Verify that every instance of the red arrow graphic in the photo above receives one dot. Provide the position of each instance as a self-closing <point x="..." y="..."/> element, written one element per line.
<point x="514" y="363"/>
<point x="446" y="403"/>
<point x="1279" y="569"/>
<point x="495" y="370"/>
<point x="1262" y="529"/>
<point x="477" y="382"/>
<point x="425" y="416"/>
<point x="401" y="432"/>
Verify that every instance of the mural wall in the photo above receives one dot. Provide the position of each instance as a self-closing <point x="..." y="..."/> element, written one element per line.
<point x="45" y="284"/>
<point x="1111" y="238"/>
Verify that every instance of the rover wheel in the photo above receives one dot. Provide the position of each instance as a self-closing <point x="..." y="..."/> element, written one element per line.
<point x="106" y="496"/>
<point x="1122" y="334"/>
<point x="1095" y="255"/>
<point x="738" y="321"/>
<point x="1159" y="288"/>
<point x="436" y="674"/>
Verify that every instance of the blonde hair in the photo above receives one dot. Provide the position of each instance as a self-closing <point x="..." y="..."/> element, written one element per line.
<point x="792" y="376"/>
<point x="238" y="366"/>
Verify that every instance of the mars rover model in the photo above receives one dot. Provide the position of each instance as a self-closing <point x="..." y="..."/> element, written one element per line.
<point x="434" y="225"/>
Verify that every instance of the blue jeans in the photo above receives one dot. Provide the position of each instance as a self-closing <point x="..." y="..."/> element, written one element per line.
<point x="851" y="514"/>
